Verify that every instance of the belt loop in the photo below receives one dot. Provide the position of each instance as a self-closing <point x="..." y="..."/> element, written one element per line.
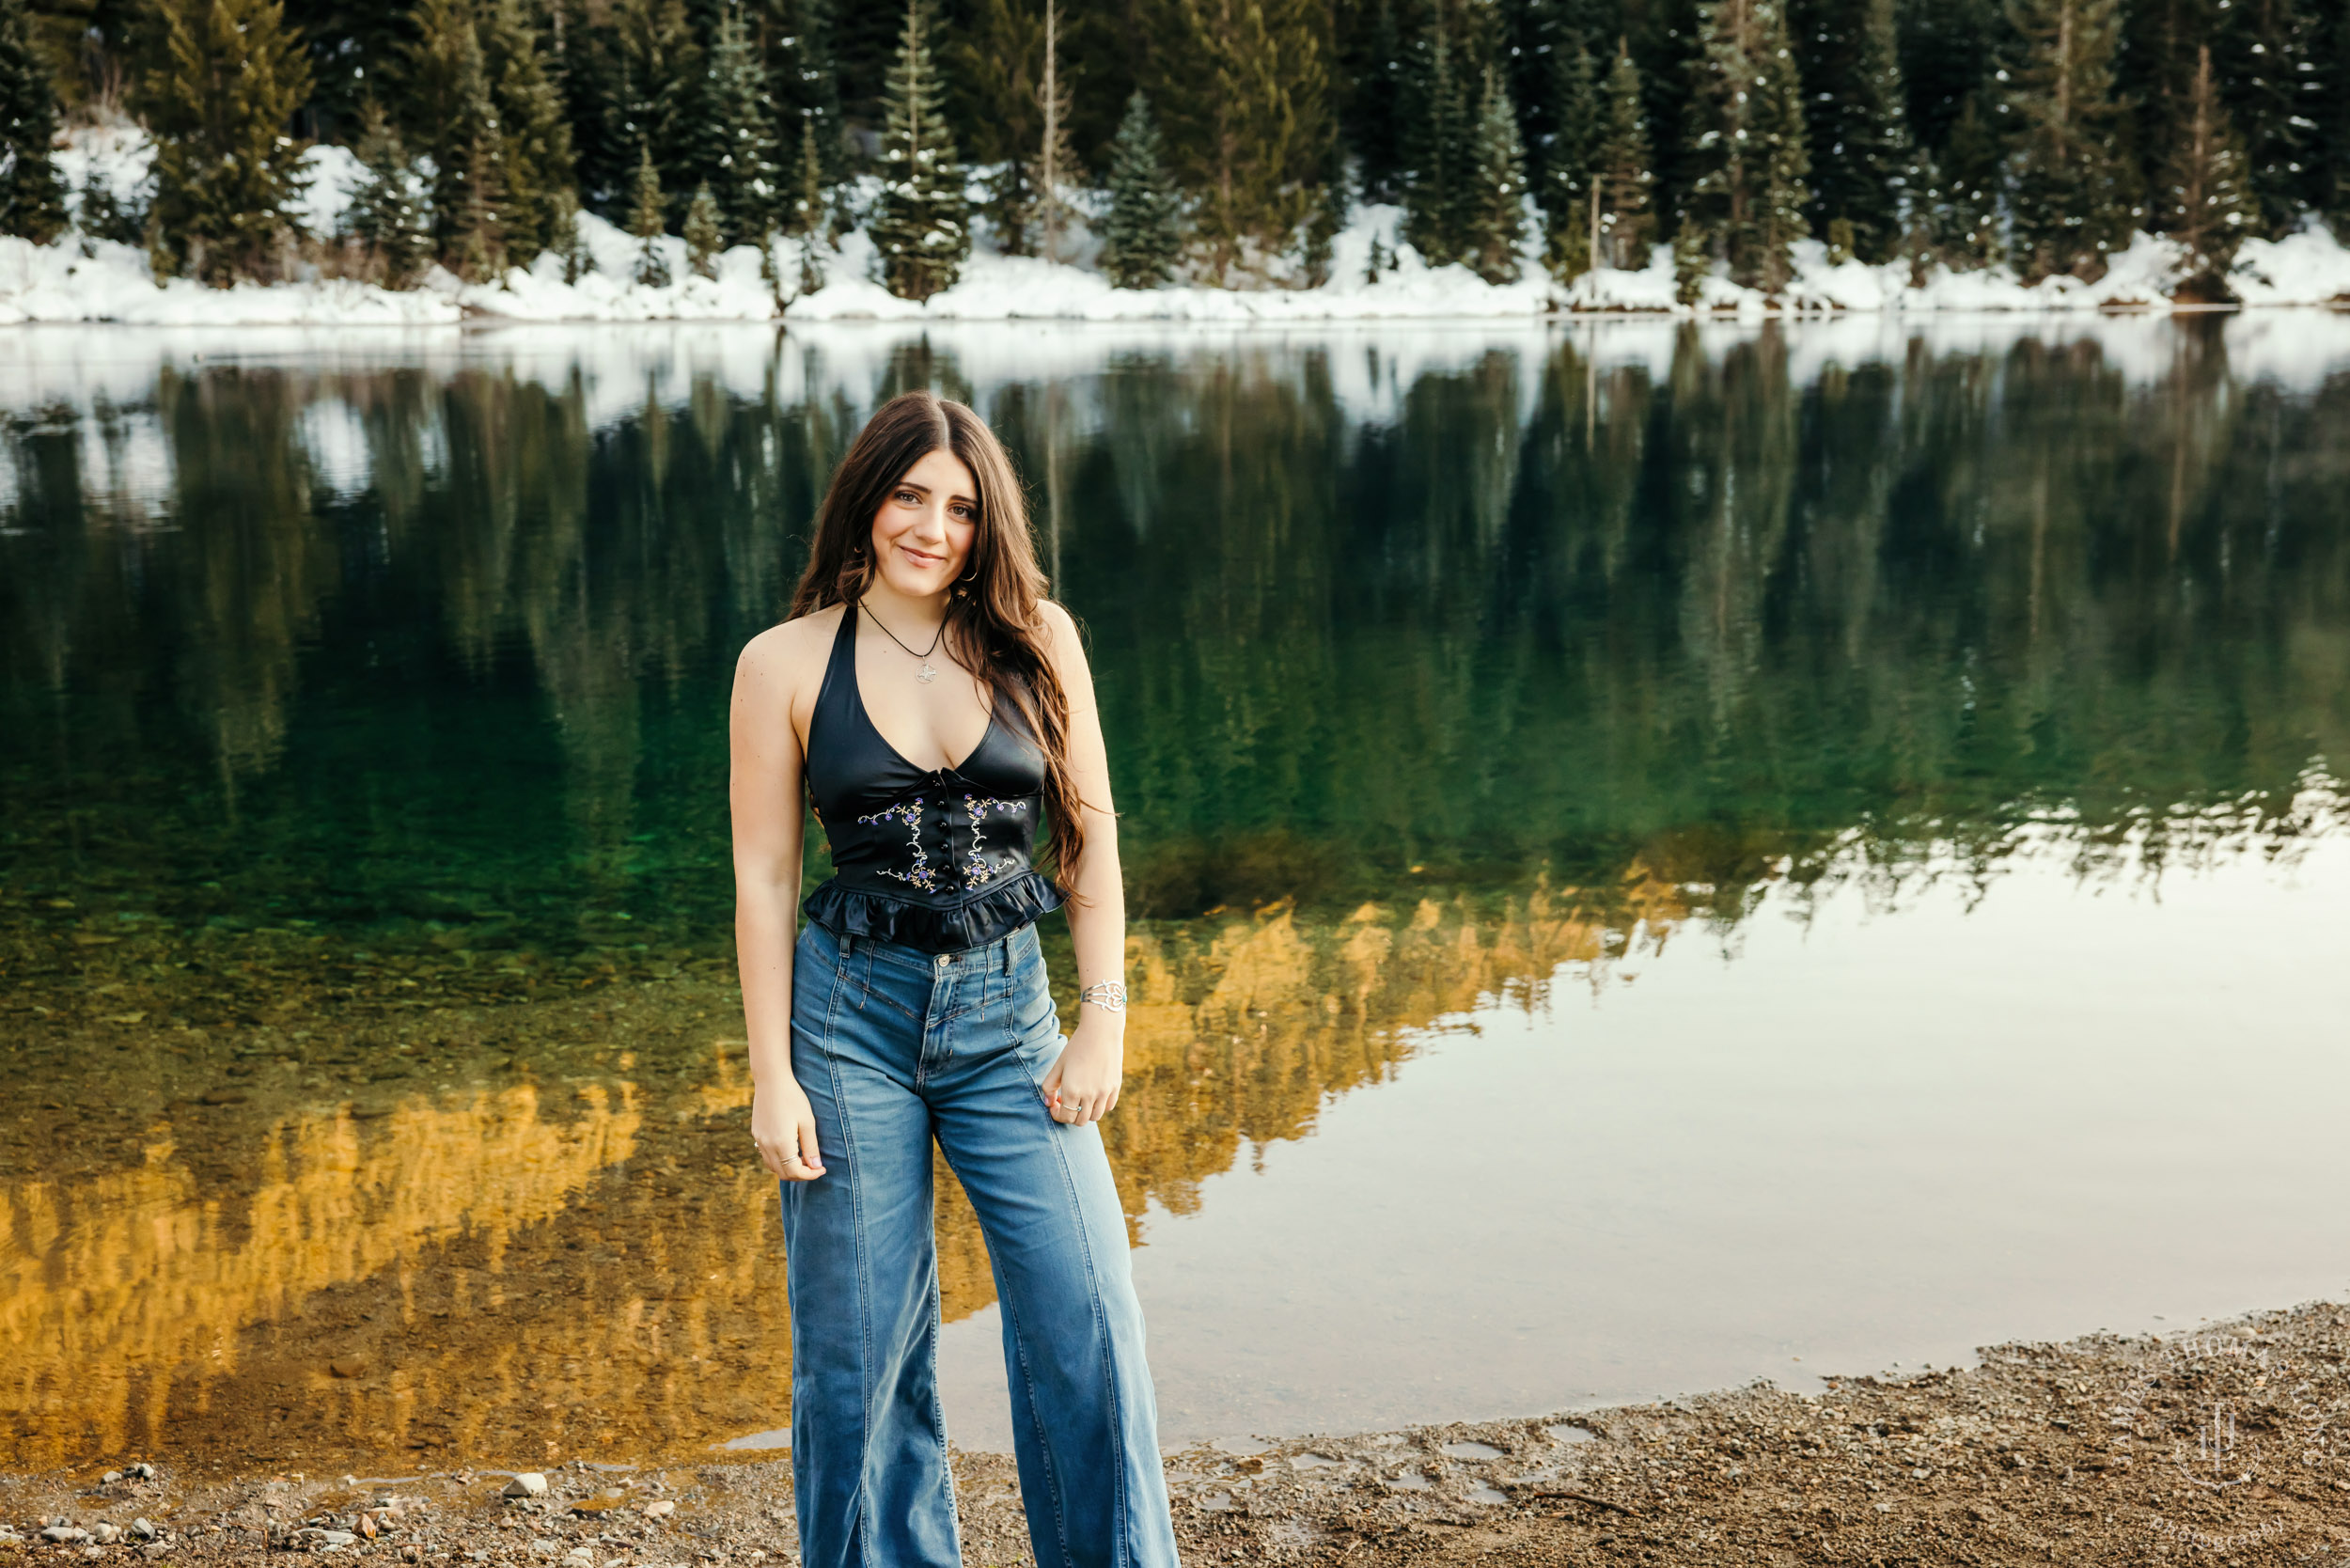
<point x="848" y="946"/>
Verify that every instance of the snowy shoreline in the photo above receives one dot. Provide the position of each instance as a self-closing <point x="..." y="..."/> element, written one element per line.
<point x="95" y="281"/>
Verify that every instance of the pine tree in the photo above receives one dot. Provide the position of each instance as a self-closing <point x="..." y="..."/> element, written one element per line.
<point x="219" y="101"/>
<point x="583" y="56"/>
<point x="386" y="213"/>
<point x="459" y="129"/>
<point x="657" y="76"/>
<point x="536" y="164"/>
<point x="567" y="242"/>
<point x="648" y="219"/>
<point x="809" y="215"/>
<point x="1382" y="99"/>
<point x="2205" y="194"/>
<point x="796" y="39"/>
<point x="101" y="214"/>
<point x="703" y="239"/>
<point x="1961" y="220"/>
<point x="2264" y="57"/>
<point x="2071" y="190"/>
<point x="738" y="150"/>
<point x="1540" y="39"/>
<point x="1946" y="57"/>
<point x="994" y="66"/>
<point x="1567" y="162"/>
<point x="1244" y="93"/>
<point x="1623" y="166"/>
<point x="1495" y="213"/>
<point x="1693" y="261"/>
<point x="923" y="225"/>
<point x="1749" y="159"/>
<point x="1141" y="237"/>
<point x="1436" y="152"/>
<point x="1858" y="124"/>
<point x="1054" y="164"/>
<point x="32" y="196"/>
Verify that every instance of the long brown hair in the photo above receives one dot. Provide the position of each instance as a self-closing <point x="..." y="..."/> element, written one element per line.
<point x="994" y="626"/>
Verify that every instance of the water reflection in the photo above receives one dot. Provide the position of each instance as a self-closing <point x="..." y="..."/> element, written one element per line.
<point x="364" y="904"/>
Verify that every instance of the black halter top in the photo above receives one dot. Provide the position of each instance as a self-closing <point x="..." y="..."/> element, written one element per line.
<point x="934" y="858"/>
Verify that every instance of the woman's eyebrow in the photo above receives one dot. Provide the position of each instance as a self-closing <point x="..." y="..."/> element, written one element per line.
<point x="925" y="490"/>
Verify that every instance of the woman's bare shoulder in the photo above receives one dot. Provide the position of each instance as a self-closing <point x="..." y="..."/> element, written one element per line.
<point x="784" y="654"/>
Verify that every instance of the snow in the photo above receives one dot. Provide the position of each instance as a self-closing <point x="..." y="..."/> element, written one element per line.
<point x="78" y="280"/>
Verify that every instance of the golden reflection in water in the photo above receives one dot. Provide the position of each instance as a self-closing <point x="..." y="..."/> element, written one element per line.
<point x="518" y="1276"/>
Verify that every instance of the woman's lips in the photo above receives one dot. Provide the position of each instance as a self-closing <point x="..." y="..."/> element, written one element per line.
<point x="920" y="557"/>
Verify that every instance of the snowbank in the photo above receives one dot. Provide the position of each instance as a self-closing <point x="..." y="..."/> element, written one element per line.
<point x="76" y="281"/>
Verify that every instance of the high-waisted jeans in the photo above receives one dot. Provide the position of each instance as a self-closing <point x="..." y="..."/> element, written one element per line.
<point x="895" y="1047"/>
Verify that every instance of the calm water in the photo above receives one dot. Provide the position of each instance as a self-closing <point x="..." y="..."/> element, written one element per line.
<point x="1660" y="857"/>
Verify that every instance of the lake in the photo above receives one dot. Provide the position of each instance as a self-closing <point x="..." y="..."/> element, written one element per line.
<point x="1660" y="856"/>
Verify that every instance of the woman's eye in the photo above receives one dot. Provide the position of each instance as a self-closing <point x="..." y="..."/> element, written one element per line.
<point x="907" y="497"/>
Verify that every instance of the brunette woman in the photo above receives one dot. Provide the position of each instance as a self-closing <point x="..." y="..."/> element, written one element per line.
<point x="938" y="709"/>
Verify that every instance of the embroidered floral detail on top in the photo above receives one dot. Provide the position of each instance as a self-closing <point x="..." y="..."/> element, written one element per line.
<point x="976" y="870"/>
<point x="910" y="813"/>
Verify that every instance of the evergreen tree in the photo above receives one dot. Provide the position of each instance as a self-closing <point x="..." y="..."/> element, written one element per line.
<point x="386" y="213"/>
<point x="648" y="219"/>
<point x="585" y="56"/>
<point x="703" y="239"/>
<point x="1693" y="261"/>
<point x="738" y="138"/>
<point x="1436" y="152"/>
<point x="536" y="165"/>
<point x="1849" y="61"/>
<point x="796" y="39"/>
<point x="1961" y="198"/>
<point x="2264" y="57"/>
<point x="1380" y="101"/>
<point x="809" y="215"/>
<point x="219" y="100"/>
<point x="2205" y="192"/>
<point x="1244" y="91"/>
<point x="1945" y="54"/>
<point x="1621" y="165"/>
<point x="1749" y="160"/>
<point x="1567" y="163"/>
<point x="101" y="214"/>
<point x="2071" y="189"/>
<point x="1494" y="214"/>
<point x="998" y="92"/>
<point x="32" y="196"/>
<point x="1540" y="39"/>
<point x="1141" y="237"/>
<point x="567" y="242"/>
<point x="657" y="73"/>
<point x="1053" y="166"/>
<point x="922" y="227"/>
<point x="2331" y="187"/>
<point x="458" y="127"/>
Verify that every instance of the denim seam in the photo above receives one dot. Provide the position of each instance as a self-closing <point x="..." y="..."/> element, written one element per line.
<point x="1101" y="1331"/>
<point x="938" y="1407"/>
<point x="1036" y="1419"/>
<point x="864" y="1278"/>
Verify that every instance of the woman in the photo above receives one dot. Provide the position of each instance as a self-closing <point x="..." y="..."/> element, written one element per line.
<point x="914" y="1006"/>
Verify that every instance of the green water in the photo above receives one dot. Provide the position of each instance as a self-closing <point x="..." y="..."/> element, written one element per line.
<point x="402" y="651"/>
<point x="364" y="910"/>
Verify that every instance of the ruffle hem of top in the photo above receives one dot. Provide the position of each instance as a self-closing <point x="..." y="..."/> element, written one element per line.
<point x="933" y="928"/>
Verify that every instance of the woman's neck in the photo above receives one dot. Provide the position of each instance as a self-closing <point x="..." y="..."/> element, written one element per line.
<point x="899" y="609"/>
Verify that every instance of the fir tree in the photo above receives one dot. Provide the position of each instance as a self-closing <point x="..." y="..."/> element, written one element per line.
<point x="1381" y="100"/>
<point x="1437" y="152"/>
<point x="1141" y="237"/>
<point x="1494" y="214"/>
<point x="1567" y="162"/>
<point x="2264" y="57"/>
<point x="536" y="165"/>
<point x="386" y="213"/>
<point x="998" y="93"/>
<point x="1858" y="124"/>
<point x="657" y="71"/>
<point x="2205" y="191"/>
<point x="1621" y="165"/>
<point x="1054" y="164"/>
<point x="2071" y="189"/>
<point x="1961" y="220"/>
<point x="703" y="239"/>
<point x="585" y="57"/>
<point x="1693" y="261"/>
<point x="796" y="39"/>
<point x="459" y="129"/>
<point x="32" y="196"/>
<point x="100" y="213"/>
<point x="1945" y="55"/>
<point x="567" y="242"/>
<point x="219" y="101"/>
<point x="738" y="144"/>
<point x="1244" y="94"/>
<point x="648" y="219"/>
<point x="1540" y="39"/>
<point x="1749" y="160"/>
<point x="922" y="227"/>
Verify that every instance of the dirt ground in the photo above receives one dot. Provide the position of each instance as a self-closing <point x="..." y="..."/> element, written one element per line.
<point x="2231" y="1444"/>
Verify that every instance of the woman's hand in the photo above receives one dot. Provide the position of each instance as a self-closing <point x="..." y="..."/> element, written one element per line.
<point x="1082" y="1086"/>
<point x="783" y="1124"/>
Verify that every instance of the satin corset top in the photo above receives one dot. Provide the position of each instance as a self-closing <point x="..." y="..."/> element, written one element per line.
<point x="935" y="858"/>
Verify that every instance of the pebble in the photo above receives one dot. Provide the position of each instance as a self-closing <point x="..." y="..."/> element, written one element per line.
<point x="110" y="1478"/>
<point x="659" y="1509"/>
<point x="530" y="1484"/>
<point x="64" y="1534"/>
<point x="144" y="1529"/>
<point x="580" y="1557"/>
<point x="143" y="1472"/>
<point x="106" y="1535"/>
<point x="337" y="1537"/>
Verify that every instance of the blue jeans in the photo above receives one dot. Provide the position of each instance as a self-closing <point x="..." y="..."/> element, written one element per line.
<point x="895" y="1047"/>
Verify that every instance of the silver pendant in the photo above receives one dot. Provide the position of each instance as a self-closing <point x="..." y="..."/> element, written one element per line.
<point x="928" y="674"/>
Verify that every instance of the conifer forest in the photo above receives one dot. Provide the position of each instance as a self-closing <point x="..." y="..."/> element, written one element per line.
<point x="1218" y="141"/>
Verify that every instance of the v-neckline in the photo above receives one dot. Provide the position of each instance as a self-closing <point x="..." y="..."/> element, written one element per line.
<point x="857" y="689"/>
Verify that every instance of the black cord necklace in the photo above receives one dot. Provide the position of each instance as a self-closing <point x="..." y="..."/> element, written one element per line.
<point x="927" y="674"/>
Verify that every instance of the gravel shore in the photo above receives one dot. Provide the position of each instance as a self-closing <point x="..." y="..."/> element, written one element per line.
<point x="2230" y="1444"/>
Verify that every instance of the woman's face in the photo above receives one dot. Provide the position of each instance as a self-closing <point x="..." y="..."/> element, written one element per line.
<point x="922" y="534"/>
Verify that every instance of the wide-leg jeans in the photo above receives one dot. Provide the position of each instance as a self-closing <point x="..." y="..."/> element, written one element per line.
<point x="896" y="1048"/>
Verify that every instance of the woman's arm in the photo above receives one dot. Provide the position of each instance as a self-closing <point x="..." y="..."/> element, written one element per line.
<point x="764" y="790"/>
<point x="1089" y="1069"/>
